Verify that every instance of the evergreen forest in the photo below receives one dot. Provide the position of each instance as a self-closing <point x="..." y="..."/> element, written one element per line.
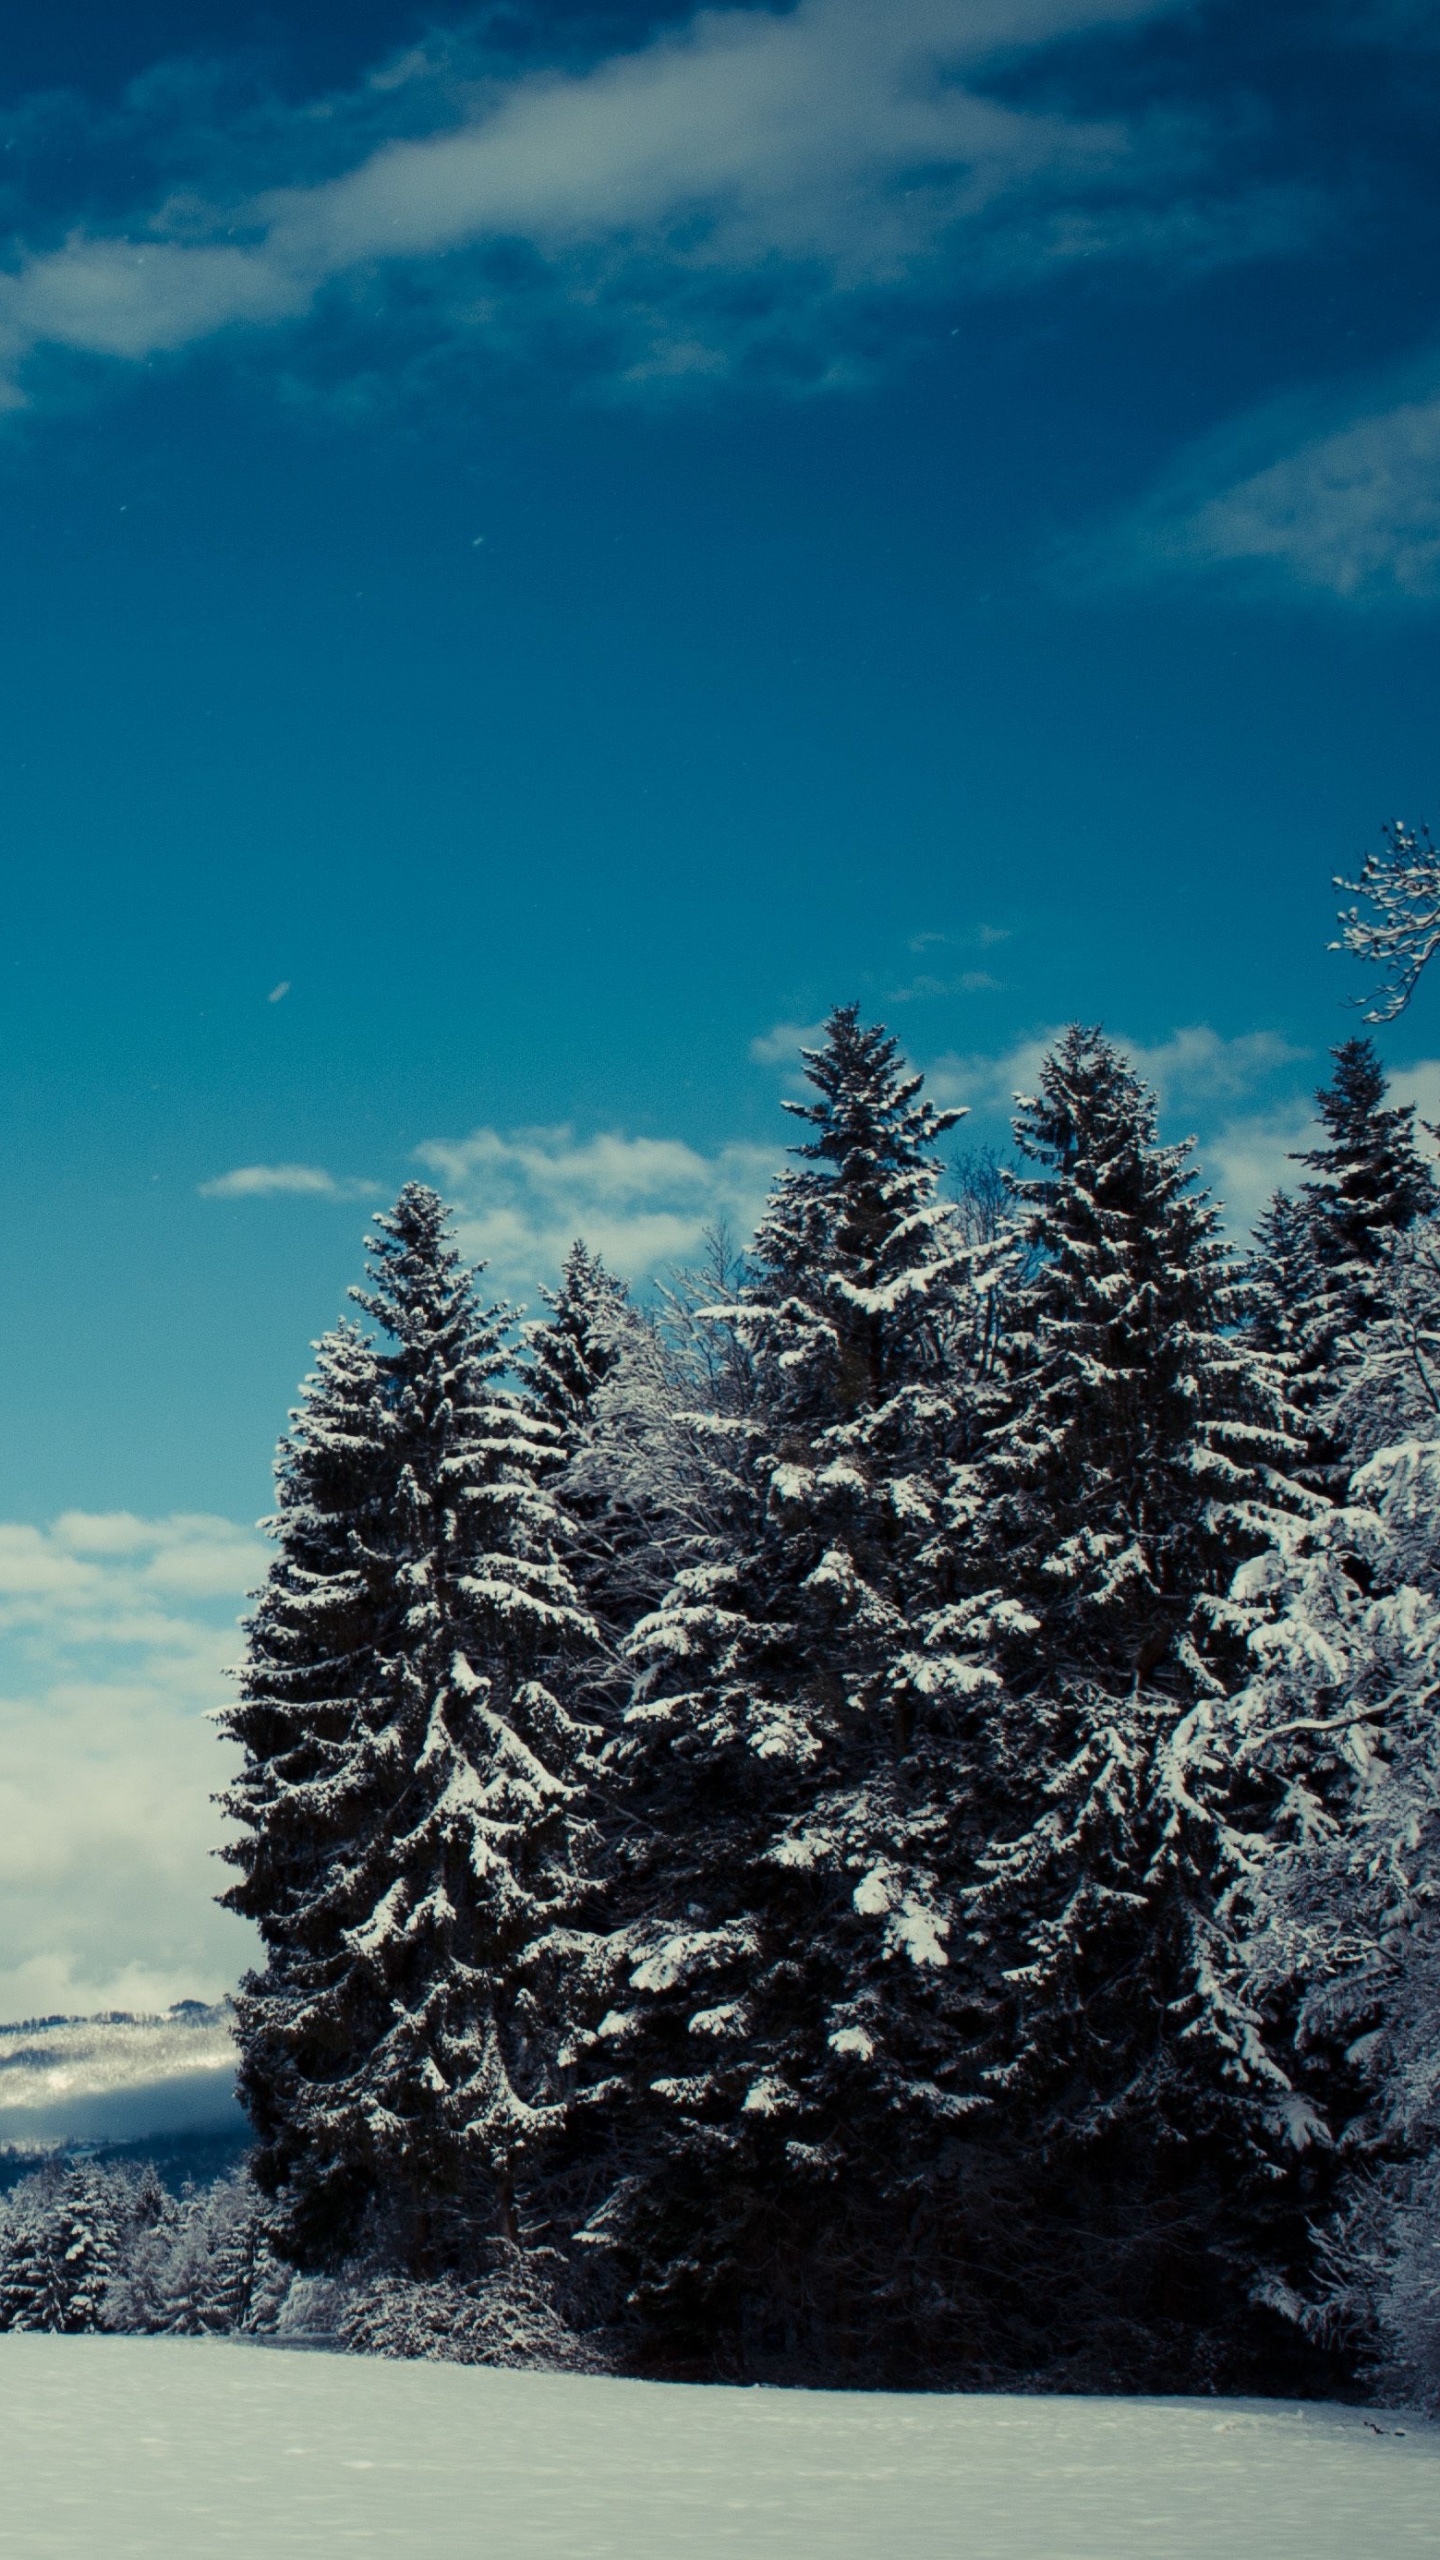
<point x="872" y="1818"/>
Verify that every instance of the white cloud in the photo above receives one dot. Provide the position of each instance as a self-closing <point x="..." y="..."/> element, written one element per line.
<point x="1420" y="1084"/>
<point x="781" y="1045"/>
<point x="1198" y="1064"/>
<point x="837" y="138"/>
<point x="1357" y="512"/>
<point x="642" y="1203"/>
<point x="265" y="1181"/>
<point x="114" y="1635"/>
<point x="1195" y="1065"/>
<point x="1344" y="505"/>
<point x="968" y="982"/>
<point x="1250" y="1157"/>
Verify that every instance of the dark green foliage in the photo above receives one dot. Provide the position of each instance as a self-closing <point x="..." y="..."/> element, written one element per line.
<point x="1370" y="1180"/>
<point x="409" y="1800"/>
<point x="1144" y="1455"/>
<point x="786" y="2040"/>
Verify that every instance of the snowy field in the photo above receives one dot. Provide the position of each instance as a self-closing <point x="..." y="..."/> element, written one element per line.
<point x="174" y="2450"/>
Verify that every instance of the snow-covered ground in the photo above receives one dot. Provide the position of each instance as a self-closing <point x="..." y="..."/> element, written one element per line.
<point x="117" y="2079"/>
<point x="175" y="2450"/>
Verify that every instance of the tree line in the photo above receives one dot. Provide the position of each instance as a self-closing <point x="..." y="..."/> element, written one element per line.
<point x="874" y="1819"/>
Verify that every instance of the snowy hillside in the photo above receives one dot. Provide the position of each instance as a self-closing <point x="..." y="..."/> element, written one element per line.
<point x="171" y="2449"/>
<point x="116" y="2079"/>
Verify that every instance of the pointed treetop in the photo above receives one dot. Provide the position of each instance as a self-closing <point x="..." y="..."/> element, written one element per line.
<point x="1087" y="1089"/>
<point x="422" y="1288"/>
<point x="1373" y="1181"/>
<point x="573" y="1353"/>
<point x="869" y="1107"/>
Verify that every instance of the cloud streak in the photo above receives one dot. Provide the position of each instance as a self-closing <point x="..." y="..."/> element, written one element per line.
<point x="1341" y="506"/>
<point x="841" y="140"/>
<point x="292" y="1181"/>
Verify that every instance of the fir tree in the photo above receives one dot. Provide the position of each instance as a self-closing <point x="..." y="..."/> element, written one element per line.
<point x="1284" y="1281"/>
<point x="1340" y="1713"/>
<point x="203" y="2269"/>
<point x="792" y="1769"/>
<point x="579" y="1371"/>
<point x="576" y="1349"/>
<point x="1317" y="1271"/>
<point x="1370" y="1184"/>
<point x="410" y="1798"/>
<point x="69" y="2232"/>
<point x="1143" y="1456"/>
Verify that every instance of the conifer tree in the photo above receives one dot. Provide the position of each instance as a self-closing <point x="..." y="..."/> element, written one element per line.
<point x="576" y="1381"/>
<point x="1340" y="1714"/>
<point x="786" y="2038"/>
<point x="1142" y="1458"/>
<point x="1370" y="1180"/>
<point x="577" y="1347"/>
<point x="410" y="1799"/>
<point x="1283" y="1276"/>
<point x="1318" y="1270"/>
<point x="203" y="2269"/>
<point x="67" y="2234"/>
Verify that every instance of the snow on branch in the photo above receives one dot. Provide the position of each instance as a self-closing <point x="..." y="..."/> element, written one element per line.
<point x="1402" y="931"/>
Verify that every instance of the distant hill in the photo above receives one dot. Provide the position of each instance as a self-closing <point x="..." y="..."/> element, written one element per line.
<point x="120" y="2080"/>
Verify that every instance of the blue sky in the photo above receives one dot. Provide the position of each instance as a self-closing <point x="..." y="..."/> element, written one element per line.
<point x="542" y="547"/>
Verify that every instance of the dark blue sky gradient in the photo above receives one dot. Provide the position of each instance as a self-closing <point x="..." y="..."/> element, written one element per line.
<point x="742" y="693"/>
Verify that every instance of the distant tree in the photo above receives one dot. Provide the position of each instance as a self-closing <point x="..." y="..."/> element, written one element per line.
<point x="1283" y="1276"/>
<point x="203" y="2268"/>
<point x="65" y="2235"/>
<point x="1318" y="1273"/>
<point x="575" y="1349"/>
<point x="410" y="1805"/>
<point x="585" y="1361"/>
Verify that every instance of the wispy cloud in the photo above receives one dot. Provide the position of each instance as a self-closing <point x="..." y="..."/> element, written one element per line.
<point x="298" y="1181"/>
<point x="1344" y="505"/>
<point x="114" y="1634"/>
<point x="925" y="987"/>
<point x="642" y="1203"/>
<point x="830" y="150"/>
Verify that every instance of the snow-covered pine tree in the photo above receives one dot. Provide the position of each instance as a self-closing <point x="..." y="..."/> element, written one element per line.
<point x="1369" y="1184"/>
<point x="791" y="2040"/>
<point x="1371" y="1179"/>
<point x="410" y="1803"/>
<point x="574" y="1350"/>
<point x="68" y="2233"/>
<point x="1340" y="1713"/>
<point x="204" y="2268"/>
<point x="1315" y="1271"/>
<point x="577" y="1383"/>
<point x="1283" y="1279"/>
<point x="1142" y="1458"/>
